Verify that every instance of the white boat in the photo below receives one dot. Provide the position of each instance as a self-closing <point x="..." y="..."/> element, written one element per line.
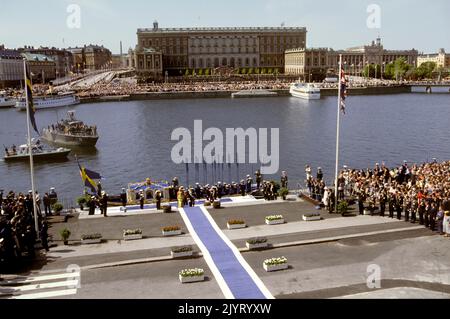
<point x="305" y="91"/>
<point x="50" y="101"/>
<point x="6" y="101"/>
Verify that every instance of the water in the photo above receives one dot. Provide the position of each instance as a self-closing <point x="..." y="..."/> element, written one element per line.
<point x="135" y="137"/>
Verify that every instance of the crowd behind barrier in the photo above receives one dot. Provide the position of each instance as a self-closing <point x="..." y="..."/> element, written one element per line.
<point x="416" y="193"/>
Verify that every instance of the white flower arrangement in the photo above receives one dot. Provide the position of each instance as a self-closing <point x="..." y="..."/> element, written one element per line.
<point x="275" y="261"/>
<point x="274" y="217"/>
<point x="194" y="272"/>
<point x="127" y="232"/>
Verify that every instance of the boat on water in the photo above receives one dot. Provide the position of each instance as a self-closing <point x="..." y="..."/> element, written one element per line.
<point x="6" y="101"/>
<point x="71" y="132"/>
<point x="40" y="153"/>
<point x="254" y="93"/>
<point x="305" y="91"/>
<point x="49" y="101"/>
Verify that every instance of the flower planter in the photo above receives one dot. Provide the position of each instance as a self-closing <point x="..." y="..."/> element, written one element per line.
<point x="91" y="241"/>
<point x="256" y="246"/>
<point x="181" y="254"/>
<point x="189" y="279"/>
<point x="311" y="218"/>
<point x="275" y="221"/>
<point x="236" y="226"/>
<point x="216" y="204"/>
<point x="269" y="268"/>
<point x="132" y="237"/>
<point x="172" y="232"/>
<point x="166" y="209"/>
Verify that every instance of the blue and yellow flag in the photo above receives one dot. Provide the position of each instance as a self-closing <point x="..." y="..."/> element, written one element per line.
<point x="30" y="105"/>
<point x="88" y="177"/>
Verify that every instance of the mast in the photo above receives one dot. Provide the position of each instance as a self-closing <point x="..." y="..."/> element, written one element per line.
<point x="30" y="151"/>
<point x="337" y="134"/>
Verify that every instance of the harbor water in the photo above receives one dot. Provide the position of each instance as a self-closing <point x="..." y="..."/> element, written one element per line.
<point x="135" y="137"/>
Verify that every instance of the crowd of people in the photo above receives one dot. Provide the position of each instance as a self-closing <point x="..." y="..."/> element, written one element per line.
<point x="417" y="193"/>
<point x="17" y="224"/>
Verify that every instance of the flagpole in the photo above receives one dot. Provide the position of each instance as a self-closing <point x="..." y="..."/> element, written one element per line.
<point x="337" y="134"/>
<point x="30" y="151"/>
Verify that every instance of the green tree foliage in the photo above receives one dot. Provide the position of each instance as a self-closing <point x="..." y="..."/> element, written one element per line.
<point x="425" y="70"/>
<point x="372" y="71"/>
<point x="207" y="72"/>
<point x="200" y="72"/>
<point x="250" y="71"/>
<point x="187" y="72"/>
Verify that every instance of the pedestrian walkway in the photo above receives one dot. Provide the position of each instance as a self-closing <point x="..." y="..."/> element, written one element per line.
<point x="235" y="277"/>
<point x="35" y="286"/>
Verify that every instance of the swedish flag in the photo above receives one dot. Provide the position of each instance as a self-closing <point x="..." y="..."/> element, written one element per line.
<point x="30" y="105"/>
<point x="88" y="177"/>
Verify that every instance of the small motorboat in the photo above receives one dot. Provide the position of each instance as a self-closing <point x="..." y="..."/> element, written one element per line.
<point x="40" y="153"/>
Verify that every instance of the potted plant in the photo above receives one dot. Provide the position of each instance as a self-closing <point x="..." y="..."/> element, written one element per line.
<point x="183" y="251"/>
<point x="166" y="208"/>
<point x="65" y="234"/>
<point x="191" y="275"/>
<point x="274" y="219"/>
<point x="236" y="224"/>
<point x="283" y="192"/>
<point x="81" y="201"/>
<point x="57" y="207"/>
<point x="257" y="243"/>
<point x="342" y="207"/>
<point x="311" y="217"/>
<point x="132" y="234"/>
<point x="274" y="264"/>
<point x="216" y="203"/>
<point x="91" y="239"/>
<point x="207" y="203"/>
<point x="171" y="230"/>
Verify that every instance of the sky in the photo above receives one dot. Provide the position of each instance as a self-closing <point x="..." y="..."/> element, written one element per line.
<point x="402" y="24"/>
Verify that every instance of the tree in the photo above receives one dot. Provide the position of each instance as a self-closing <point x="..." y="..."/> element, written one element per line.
<point x="257" y="71"/>
<point x="425" y="70"/>
<point x="250" y="71"/>
<point x="200" y="72"/>
<point x="243" y="71"/>
<point x="186" y="73"/>
<point x="372" y="71"/>
<point x="207" y="72"/>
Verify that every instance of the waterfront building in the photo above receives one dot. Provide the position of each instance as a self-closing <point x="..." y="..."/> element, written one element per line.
<point x="91" y="57"/>
<point x="304" y="62"/>
<point x="41" y="67"/>
<point x="11" y="68"/>
<point x="441" y="59"/>
<point x="148" y="62"/>
<point x="232" y="47"/>
<point x="63" y="58"/>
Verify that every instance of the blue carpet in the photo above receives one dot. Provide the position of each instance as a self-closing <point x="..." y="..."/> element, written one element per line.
<point x="237" y="278"/>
